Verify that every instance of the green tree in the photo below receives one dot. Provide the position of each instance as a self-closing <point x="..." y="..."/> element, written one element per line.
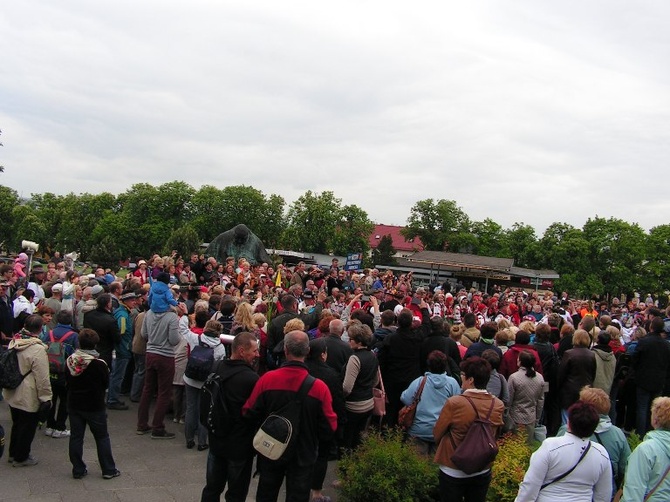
<point x="384" y="253"/>
<point x="106" y="252"/>
<point x="9" y="200"/>
<point x="658" y="255"/>
<point x="489" y="238"/>
<point x="522" y="246"/>
<point x="441" y="225"/>
<point x="352" y="232"/>
<point x="184" y="240"/>
<point x="617" y="251"/>
<point x="311" y="222"/>
<point x="27" y="226"/>
<point x="48" y="209"/>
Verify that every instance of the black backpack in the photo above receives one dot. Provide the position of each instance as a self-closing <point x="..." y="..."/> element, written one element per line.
<point x="200" y="362"/>
<point x="10" y="373"/>
<point x="214" y="410"/>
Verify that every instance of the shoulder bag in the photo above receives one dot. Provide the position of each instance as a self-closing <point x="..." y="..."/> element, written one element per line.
<point x="407" y="413"/>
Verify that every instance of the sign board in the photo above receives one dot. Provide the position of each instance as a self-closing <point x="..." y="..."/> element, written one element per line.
<point x="354" y="262"/>
<point x="535" y="281"/>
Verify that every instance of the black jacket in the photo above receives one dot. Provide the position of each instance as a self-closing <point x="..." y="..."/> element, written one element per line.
<point x="577" y="369"/>
<point x="241" y="379"/>
<point x="86" y="392"/>
<point x="276" y="326"/>
<point x="400" y="353"/>
<point x="338" y="353"/>
<point x="332" y="379"/>
<point x="651" y="362"/>
<point x="104" y="324"/>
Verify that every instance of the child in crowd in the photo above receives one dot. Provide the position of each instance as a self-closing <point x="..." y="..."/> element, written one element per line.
<point x="160" y="295"/>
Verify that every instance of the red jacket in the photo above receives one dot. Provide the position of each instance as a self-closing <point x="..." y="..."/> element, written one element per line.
<point x="509" y="365"/>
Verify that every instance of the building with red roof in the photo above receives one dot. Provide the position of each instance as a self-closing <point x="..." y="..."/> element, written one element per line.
<point x="402" y="247"/>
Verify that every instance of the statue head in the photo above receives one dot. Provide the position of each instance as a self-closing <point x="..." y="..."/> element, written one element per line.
<point x="241" y="233"/>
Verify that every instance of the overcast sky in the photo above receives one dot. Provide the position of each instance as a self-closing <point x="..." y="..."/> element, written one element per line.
<point x="520" y="111"/>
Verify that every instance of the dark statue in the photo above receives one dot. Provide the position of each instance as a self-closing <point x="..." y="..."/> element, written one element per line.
<point x="239" y="242"/>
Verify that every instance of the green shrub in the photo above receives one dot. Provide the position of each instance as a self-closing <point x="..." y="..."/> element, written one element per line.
<point x="633" y="440"/>
<point x="386" y="468"/>
<point x="509" y="467"/>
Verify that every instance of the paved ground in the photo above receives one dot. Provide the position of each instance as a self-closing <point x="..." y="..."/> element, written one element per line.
<point x="152" y="470"/>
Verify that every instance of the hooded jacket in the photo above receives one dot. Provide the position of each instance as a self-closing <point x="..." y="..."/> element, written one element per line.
<point x="35" y="387"/>
<point x="605" y="367"/>
<point x="87" y="379"/>
<point x="436" y="391"/>
<point x="646" y="467"/>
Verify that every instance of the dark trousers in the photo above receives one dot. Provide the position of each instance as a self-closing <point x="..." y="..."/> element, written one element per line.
<point x="157" y="379"/>
<point x="97" y="422"/>
<point x="236" y="473"/>
<point x="393" y="391"/>
<point x="24" y="425"/>
<point x="138" y="378"/>
<point x="321" y="465"/>
<point x="354" y="427"/>
<point x="471" y="489"/>
<point x="272" y="475"/>
<point x="58" y="412"/>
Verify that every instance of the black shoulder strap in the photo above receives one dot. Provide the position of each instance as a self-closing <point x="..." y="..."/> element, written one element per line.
<point x="586" y="450"/>
<point x="305" y="387"/>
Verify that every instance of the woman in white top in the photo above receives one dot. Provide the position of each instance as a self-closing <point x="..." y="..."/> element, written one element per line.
<point x="570" y="467"/>
<point x="208" y="340"/>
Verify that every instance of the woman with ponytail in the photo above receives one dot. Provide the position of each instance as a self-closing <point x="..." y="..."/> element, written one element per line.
<point x="526" y="395"/>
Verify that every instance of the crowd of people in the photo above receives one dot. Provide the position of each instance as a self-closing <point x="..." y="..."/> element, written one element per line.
<point x="578" y="375"/>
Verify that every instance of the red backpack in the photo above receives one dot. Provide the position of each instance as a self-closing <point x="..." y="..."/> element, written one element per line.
<point x="56" y="353"/>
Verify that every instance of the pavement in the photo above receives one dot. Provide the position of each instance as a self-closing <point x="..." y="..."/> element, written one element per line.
<point x="151" y="469"/>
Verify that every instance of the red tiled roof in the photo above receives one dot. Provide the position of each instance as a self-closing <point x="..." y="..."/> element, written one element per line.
<point x="399" y="242"/>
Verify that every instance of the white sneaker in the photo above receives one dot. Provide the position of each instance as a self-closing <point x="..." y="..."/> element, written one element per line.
<point x="48" y="431"/>
<point x="61" y="434"/>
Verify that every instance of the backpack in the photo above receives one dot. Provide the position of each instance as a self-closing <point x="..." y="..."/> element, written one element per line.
<point x="200" y="362"/>
<point x="214" y="410"/>
<point x="479" y="447"/>
<point x="56" y="353"/>
<point x="10" y="373"/>
<point x="277" y="435"/>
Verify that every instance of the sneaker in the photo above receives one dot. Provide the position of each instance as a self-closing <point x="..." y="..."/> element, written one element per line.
<point x="141" y="432"/>
<point x="175" y="420"/>
<point x="30" y="461"/>
<point x="61" y="434"/>
<point x="117" y="406"/>
<point x="48" y="431"/>
<point x="181" y="421"/>
<point x="190" y="444"/>
<point x="162" y="435"/>
<point x="202" y="447"/>
<point x="80" y="475"/>
<point x="112" y="475"/>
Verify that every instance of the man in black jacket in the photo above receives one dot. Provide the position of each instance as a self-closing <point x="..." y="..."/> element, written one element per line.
<point x="399" y="357"/>
<point x="338" y="350"/>
<point x="289" y="303"/>
<point x="103" y="323"/>
<point x="231" y="457"/>
<point x="651" y="362"/>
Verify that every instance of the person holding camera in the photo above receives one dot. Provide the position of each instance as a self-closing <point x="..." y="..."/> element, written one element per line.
<point x="31" y="400"/>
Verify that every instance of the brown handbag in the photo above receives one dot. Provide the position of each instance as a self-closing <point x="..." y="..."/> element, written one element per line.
<point x="379" y="397"/>
<point x="407" y="413"/>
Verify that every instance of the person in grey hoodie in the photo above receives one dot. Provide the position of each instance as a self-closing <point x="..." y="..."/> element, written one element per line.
<point x="605" y="362"/>
<point x="161" y="330"/>
<point x="437" y="389"/>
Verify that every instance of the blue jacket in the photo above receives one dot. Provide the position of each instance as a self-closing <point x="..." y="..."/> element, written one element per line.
<point x="123" y="348"/>
<point x="646" y="466"/>
<point x="438" y="388"/>
<point x="160" y="297"/>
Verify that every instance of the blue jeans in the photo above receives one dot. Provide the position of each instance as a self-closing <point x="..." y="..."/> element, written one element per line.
<point x="115" y="380"/>
<point x="272" y="473"/>
<point x="192" y="420"/>
<point x="221" y="470"/>
<point x="97" y="422"/>
<point x="138" y="378"/>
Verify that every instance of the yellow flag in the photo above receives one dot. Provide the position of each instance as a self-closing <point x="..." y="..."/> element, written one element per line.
<point x="278" y="280"/>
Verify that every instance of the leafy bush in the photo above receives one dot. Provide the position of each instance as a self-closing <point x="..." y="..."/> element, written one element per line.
<point x="633" y="440"/>
<point x="384" y="467"/>
<point x="509" y="467"/>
